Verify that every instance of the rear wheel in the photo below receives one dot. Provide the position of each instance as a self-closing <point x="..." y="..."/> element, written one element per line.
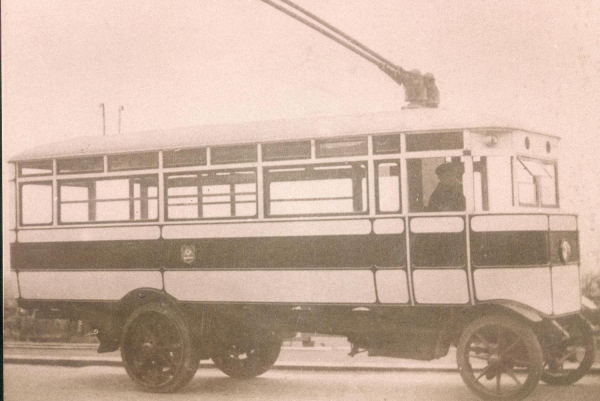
<point x="157" y="348"/>
<point x="569" y="360"/>
<point x="499" y="358"/>
<point x="245" y="356"/>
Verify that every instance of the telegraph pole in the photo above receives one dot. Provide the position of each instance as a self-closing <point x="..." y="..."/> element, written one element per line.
<point x="103" y="119"/>
<point x="121" y="108"/>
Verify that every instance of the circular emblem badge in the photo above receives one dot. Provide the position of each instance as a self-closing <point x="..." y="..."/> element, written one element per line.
<point x="188" y="254"/>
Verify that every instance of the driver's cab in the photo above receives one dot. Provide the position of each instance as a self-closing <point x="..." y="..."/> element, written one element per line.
<point x="499" y="170"/>
<point x="484" y="221"/>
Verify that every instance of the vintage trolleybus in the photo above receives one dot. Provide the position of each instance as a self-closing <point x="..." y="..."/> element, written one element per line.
<point x="408" y="233"/>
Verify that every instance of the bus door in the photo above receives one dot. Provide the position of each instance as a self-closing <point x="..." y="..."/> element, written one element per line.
<point x="437" y="235"/>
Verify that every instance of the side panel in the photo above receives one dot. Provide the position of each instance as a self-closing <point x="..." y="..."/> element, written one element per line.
<point x="85" y="285"/>
<point x="207" y="263"/>
<point x="310" y="286"/>
<point x="530" y="286"/>
<point x="566" y="289"/>
<point x="392" y="286"/>
<point x="438" y="256"/>
<point x="441" y="286"/>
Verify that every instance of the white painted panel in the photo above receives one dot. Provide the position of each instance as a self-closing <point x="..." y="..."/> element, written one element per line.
<point x="565" y="289"/>
<point x="90" y="234"/>
<point x="85" y="285"/>
<point x="563" y="223"/>
<point x="388" y="226"/>
<point x="499" y="172"/>
<point x="529" y="286"/>
<point x="437" y="225"/>
<point x="271" y="229"/>
<point x="12" y="236"/>
<point x="322" y="286"/>
<point x="392" y="286"/>
<point x="441" y="286"/>
<point x="529" y="222"/>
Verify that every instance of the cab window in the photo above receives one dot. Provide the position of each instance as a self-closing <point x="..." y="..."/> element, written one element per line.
<point x="435" y="185"/>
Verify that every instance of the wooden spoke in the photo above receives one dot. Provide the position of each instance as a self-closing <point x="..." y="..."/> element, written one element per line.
<point x="485" y="342"/>
<point x="510" y="347"/>
<point x="483" y="372"/>
<point x="512" y="375"/>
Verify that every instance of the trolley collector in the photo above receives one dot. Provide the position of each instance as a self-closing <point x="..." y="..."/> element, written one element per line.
<point x="196" y="244"/>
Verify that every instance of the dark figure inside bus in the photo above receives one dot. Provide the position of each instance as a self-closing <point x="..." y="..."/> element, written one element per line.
<point x="448" y="195"/>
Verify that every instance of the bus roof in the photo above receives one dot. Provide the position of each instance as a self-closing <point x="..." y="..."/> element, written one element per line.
<point x="414" y="121"/>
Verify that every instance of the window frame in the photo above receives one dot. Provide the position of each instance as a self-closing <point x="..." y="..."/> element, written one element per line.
<point x="45" y="182"/>
<point x="20" y="168"/>
<point x="199" y="195"/>
<point x="377" y="193"/>
<point x="536" y="181"/>
<point x="58" y="161"/>
<point x="92" y="202"/>
<point x="267" y="192"/>
<point x="132" y="154"/>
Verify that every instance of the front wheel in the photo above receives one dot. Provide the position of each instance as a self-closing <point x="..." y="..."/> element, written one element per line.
<point x="569" y="360"/>
<point x="247" y="356"/>
<point x="499" y="358"/>
<point x="157" y="349"/>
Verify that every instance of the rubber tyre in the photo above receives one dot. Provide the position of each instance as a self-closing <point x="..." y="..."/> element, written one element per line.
<point x="587" y="341"/>
<point x="530" y="352"/>
<point x="259" y="355"/>
<point x="157" y="348"/>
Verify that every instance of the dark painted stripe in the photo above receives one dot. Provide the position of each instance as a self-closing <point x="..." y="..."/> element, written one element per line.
<point x="510" y="248"/>
<point x="361" y="251"/>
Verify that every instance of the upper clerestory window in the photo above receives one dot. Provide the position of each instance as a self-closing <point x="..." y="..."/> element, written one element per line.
<point x="434" y="141"/>
<point x="342" y="147"/>
<point x="286" y="151"/>
<point x="39" y="167"/>
<point x="80" y="165"/>
<point x="233" y="154"/>
<point x="184" y="157"/>
<point x="133" y="161"/>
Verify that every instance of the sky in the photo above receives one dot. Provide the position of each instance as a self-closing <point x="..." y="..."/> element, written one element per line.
<point x="176" y="63"/>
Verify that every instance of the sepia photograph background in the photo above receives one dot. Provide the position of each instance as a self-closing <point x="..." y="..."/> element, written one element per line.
<point x="188" y="63"/>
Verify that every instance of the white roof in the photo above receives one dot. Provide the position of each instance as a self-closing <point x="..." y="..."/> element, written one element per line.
<point x="415" y="120"/>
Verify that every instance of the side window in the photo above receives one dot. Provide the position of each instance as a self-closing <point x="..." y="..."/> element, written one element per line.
<point x="36" y="203"/>
<point x="526" y="186"/>
<point x="211" y="194"/>
<point x="182" y="196"/>
<point x="316" y="190"/>
<point x="123" y="199"/>
<point x="388" y="187"/>
<point x="549" y="194"/>
<point x="536" y="182"/>
<point x="435" y="185"/>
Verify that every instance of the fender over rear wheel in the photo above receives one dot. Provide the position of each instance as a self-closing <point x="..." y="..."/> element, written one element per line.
<point x="157" y="348"/>
<point x="499" y="358"/>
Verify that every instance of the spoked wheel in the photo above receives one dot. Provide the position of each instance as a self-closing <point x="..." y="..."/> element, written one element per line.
<point x="499" y="358"/>
<point x="157" y="349"/>
<point x="569" y="360"/>
<point x="247" y="356"/>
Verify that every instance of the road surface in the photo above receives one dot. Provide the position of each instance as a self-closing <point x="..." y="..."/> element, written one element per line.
<point x="49" y="383"/>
